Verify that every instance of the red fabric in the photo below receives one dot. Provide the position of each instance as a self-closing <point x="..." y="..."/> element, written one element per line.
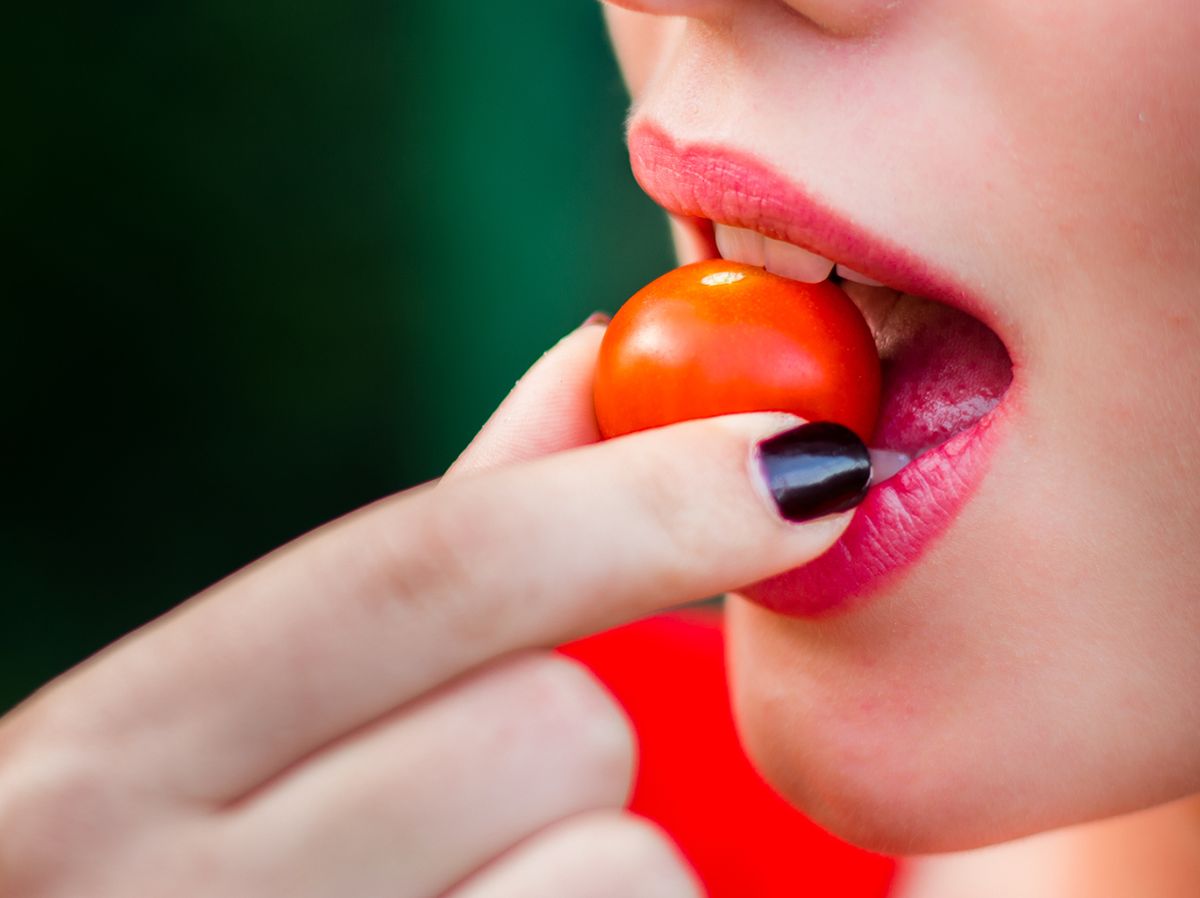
<point x="695" y="780"/>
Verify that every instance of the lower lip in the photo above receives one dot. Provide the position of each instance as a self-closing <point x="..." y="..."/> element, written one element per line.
<point x="899" y="520"/>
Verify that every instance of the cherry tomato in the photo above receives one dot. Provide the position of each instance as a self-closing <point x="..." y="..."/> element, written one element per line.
<point x="717" y="338"/>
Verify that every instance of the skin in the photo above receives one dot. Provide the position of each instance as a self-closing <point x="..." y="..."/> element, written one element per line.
<point x="1038" y="668"/>
<point x="375" y="709"/>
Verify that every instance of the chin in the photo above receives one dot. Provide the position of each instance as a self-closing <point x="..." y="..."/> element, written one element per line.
<point x="893" y="750"/>
<point x="859" y="774"/>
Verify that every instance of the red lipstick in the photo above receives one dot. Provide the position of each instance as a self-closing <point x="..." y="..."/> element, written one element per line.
<point x="904" y="515"/>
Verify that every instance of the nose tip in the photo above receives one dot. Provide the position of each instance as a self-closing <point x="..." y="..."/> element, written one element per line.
<point x="846" y="17"/>
<point x="697" y="9"/>
<point x="840" y="17"/>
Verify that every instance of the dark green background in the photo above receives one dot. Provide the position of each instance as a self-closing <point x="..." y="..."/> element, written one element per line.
<point x="267" y="261"/>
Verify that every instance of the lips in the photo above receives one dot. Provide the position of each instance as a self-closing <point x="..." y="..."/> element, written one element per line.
<point x="947" y="373"/>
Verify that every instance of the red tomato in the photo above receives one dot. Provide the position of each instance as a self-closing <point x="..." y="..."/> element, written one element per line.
<point x="717" y="338"/>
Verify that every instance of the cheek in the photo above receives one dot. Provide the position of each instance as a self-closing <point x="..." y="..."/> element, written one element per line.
<point x="1098" y="126"/>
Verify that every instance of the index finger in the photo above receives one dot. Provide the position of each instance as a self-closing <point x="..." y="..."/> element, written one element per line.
<point x="376" y="609"/>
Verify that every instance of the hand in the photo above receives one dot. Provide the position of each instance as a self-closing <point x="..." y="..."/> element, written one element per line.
<point x="373" y="709"/>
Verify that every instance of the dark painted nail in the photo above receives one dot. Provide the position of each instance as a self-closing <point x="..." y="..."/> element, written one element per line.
<point x="815" y="469"/>
<point x="596" y="318"/>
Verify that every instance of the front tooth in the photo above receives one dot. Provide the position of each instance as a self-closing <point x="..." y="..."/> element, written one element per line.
<point x="740" y="245"/>
<point x="790" y="261"/>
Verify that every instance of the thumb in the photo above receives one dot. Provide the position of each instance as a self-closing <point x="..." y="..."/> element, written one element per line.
<point x="549" y="410"/>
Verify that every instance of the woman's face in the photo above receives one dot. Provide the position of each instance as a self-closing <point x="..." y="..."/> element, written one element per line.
<point x="1036" y="662"/>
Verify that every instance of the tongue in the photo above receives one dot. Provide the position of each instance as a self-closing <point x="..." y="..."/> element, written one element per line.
<point x="943" y="370"/>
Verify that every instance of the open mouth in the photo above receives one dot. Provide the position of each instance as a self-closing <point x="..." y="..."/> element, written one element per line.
<point x="947" y="373"/>
<point x="943" y="369"/>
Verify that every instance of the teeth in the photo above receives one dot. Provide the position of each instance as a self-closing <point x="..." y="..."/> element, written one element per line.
<point x="790" y="261"/>
<point x="783" y="259"/>
<point x="850" y="274"/>
<point x="741" y="245"/>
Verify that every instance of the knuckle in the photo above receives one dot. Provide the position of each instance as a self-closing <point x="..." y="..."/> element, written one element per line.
<point x="56" y="812"/>
<point x="438" y="552"/>
<point x="576" y="712"/>
<point x="634" y="841"/>
<point x="420" y="561"/>
<point x="652" y="860"/>
<point x="73" y="821"/>
<point x="637" y="855"/>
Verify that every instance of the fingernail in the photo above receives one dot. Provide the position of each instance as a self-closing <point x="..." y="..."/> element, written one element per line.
<point x="815" y="469"/>
<point x="596" y="318"/>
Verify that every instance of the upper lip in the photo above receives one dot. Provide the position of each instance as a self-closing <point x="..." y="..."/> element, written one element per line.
<point x="732" y="187"/>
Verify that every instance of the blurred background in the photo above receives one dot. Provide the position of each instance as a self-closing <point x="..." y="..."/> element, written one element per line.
<point x="266" y="262"/>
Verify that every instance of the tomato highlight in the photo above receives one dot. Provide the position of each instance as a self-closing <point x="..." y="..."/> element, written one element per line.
<point x="718" y="338"/>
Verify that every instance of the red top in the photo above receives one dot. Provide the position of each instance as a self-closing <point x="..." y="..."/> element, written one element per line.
<point x="695" y="780"/>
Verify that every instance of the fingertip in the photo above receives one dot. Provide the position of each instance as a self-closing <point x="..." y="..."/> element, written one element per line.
<point x="813" y="470"/>
<point x="603" y="319"/>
